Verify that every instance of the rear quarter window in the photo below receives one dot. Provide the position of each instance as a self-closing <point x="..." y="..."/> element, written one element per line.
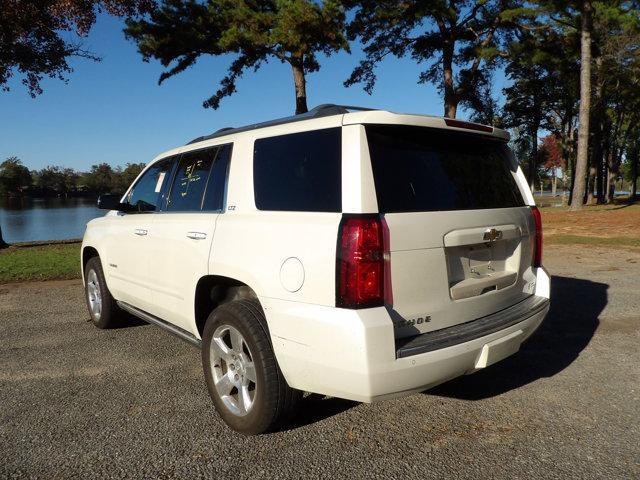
<point x="299" y="172"/>
<point x="419" y="169"/>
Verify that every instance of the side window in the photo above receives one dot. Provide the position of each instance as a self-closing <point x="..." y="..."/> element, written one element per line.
<point x="145" y="195"/>
<point x="299" y="172"/>
<point x="214" y="196"/>
<point x="190" y="180"/>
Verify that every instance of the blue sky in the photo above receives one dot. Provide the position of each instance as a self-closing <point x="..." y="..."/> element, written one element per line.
<point x="114" y="111"/>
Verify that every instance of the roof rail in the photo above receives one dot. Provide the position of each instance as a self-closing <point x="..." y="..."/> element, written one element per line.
<point x="324" y="110"/>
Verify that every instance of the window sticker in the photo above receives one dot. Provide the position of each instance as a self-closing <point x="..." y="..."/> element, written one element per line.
<point x="191" y="175"/>
<point x="160" y="180"/>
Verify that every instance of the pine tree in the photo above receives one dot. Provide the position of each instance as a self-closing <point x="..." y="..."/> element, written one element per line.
<point x="293" y="32"/>
<point x="458" y="40"/>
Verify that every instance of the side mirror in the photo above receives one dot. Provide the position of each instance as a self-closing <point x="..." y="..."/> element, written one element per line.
<point x="110" y="201"/>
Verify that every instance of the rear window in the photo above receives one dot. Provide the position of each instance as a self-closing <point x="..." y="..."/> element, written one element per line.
<point x="300" y="172"/>
<point x="418" y="169"/>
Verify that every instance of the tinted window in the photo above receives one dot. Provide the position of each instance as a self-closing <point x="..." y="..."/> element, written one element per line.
<point x="299" y="172"/>
<point x="146" y="193"/>
<point x="420" y="169"/>
<point x="190" y="180"/>
<point x="214" y="196"/>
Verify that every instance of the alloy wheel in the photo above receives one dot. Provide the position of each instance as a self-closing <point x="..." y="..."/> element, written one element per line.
<point x="234" y="372"/>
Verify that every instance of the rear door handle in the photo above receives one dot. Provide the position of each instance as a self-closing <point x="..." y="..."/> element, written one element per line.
<point x="140" y="231"/>
<point x="197" y="235"/>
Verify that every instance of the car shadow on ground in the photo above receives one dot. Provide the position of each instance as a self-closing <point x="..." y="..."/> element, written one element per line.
<point x="315" y="408"/>
<point x="572" y="321"/>
<point x="125" y="320"/>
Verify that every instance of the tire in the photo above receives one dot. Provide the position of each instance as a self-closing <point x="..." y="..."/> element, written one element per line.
<point x="244" y="381"/>
<point x="102" y="307"/>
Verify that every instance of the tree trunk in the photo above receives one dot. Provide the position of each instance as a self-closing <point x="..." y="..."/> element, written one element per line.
<point x="532" y="159"/>
<point x="301" y="86"/>
<point x="611" y="187"/>
<point x="450" y="97"/>
<point x="600" y="178"/>
<point x="634" y="186"/>
<point x="591" y="183"/>
<point x="3" y="244"/>
<point x="634" y="176"/>
<point x="596" y="194"/>
<point x="566" y="153"/>
<point x="585" y="103"/>
<point x="607" y="176"/>
<point x="533" y="155"/>
<point x="554" y="183"/>
<point x="572" y="162"/>
<point x="614" y="170"/>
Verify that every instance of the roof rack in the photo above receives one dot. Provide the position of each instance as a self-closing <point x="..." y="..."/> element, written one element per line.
<point x="324" y="110"/>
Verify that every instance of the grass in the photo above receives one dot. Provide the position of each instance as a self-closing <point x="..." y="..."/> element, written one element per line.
<point x="46" y="262"/>
<point x="597" y="241"/>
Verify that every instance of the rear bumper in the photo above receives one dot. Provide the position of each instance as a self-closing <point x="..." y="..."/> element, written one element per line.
<point x="352" y="354"/>
<point x="480" y="327"/>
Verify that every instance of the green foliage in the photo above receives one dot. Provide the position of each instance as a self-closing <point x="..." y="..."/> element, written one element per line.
<point x="14" y="177"/>
<point x="37" y="38"/>
<point x="56" y="180"/>
<point x="459" y="42"/>
<point x="543" y="64"/>
<point x="177" y="33"/>
<point x="100" y="178"/>
<point x="125" y="177"/>
<point x="631" y="165"/>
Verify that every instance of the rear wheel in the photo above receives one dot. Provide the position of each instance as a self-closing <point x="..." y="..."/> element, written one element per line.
<point x="242" y="375"/>
<point x="102" y="306"/>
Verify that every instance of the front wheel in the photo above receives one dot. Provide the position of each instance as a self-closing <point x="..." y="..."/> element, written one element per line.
<point x="240" y="368"/>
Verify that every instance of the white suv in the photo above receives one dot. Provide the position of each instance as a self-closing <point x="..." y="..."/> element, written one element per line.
<point x="355" y="253"/>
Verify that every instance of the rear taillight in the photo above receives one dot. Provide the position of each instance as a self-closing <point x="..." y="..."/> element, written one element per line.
<point x="537" y="248"/>
<point x="360" y="269"/>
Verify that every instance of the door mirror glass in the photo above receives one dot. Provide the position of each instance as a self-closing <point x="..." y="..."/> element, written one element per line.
<point x="110" y="201"/>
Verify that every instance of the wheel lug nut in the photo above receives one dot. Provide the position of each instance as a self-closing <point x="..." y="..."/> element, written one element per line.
<point x="232" y="366"/>
<point x="237" y="376"/>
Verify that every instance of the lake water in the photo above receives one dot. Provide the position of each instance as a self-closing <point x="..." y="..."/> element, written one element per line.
<point x="30" y="219"/>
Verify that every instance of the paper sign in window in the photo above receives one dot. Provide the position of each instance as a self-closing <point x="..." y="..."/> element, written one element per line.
<point x="159" y="182"/>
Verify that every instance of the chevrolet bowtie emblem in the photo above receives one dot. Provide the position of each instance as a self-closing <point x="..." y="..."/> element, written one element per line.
<point x="492" y="235"/>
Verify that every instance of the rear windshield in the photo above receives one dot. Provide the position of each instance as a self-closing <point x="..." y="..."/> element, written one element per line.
<point x="419" y="169"/>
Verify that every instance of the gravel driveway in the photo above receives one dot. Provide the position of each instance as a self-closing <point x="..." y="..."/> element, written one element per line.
<point x="78" y="402"/>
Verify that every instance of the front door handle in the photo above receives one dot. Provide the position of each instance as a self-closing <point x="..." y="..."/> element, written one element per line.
<point x="197" y="235"/>
<point x="140" y="231"/>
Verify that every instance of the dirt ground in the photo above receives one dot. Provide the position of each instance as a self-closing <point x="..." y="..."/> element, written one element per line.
<point x="77" y="402"/>
<point x="595" y="221"/>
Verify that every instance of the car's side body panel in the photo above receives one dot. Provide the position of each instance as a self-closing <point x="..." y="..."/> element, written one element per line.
<point x="124" y="254"/>
<point x="278" y="254"/>
<point x="180" y="244"/>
